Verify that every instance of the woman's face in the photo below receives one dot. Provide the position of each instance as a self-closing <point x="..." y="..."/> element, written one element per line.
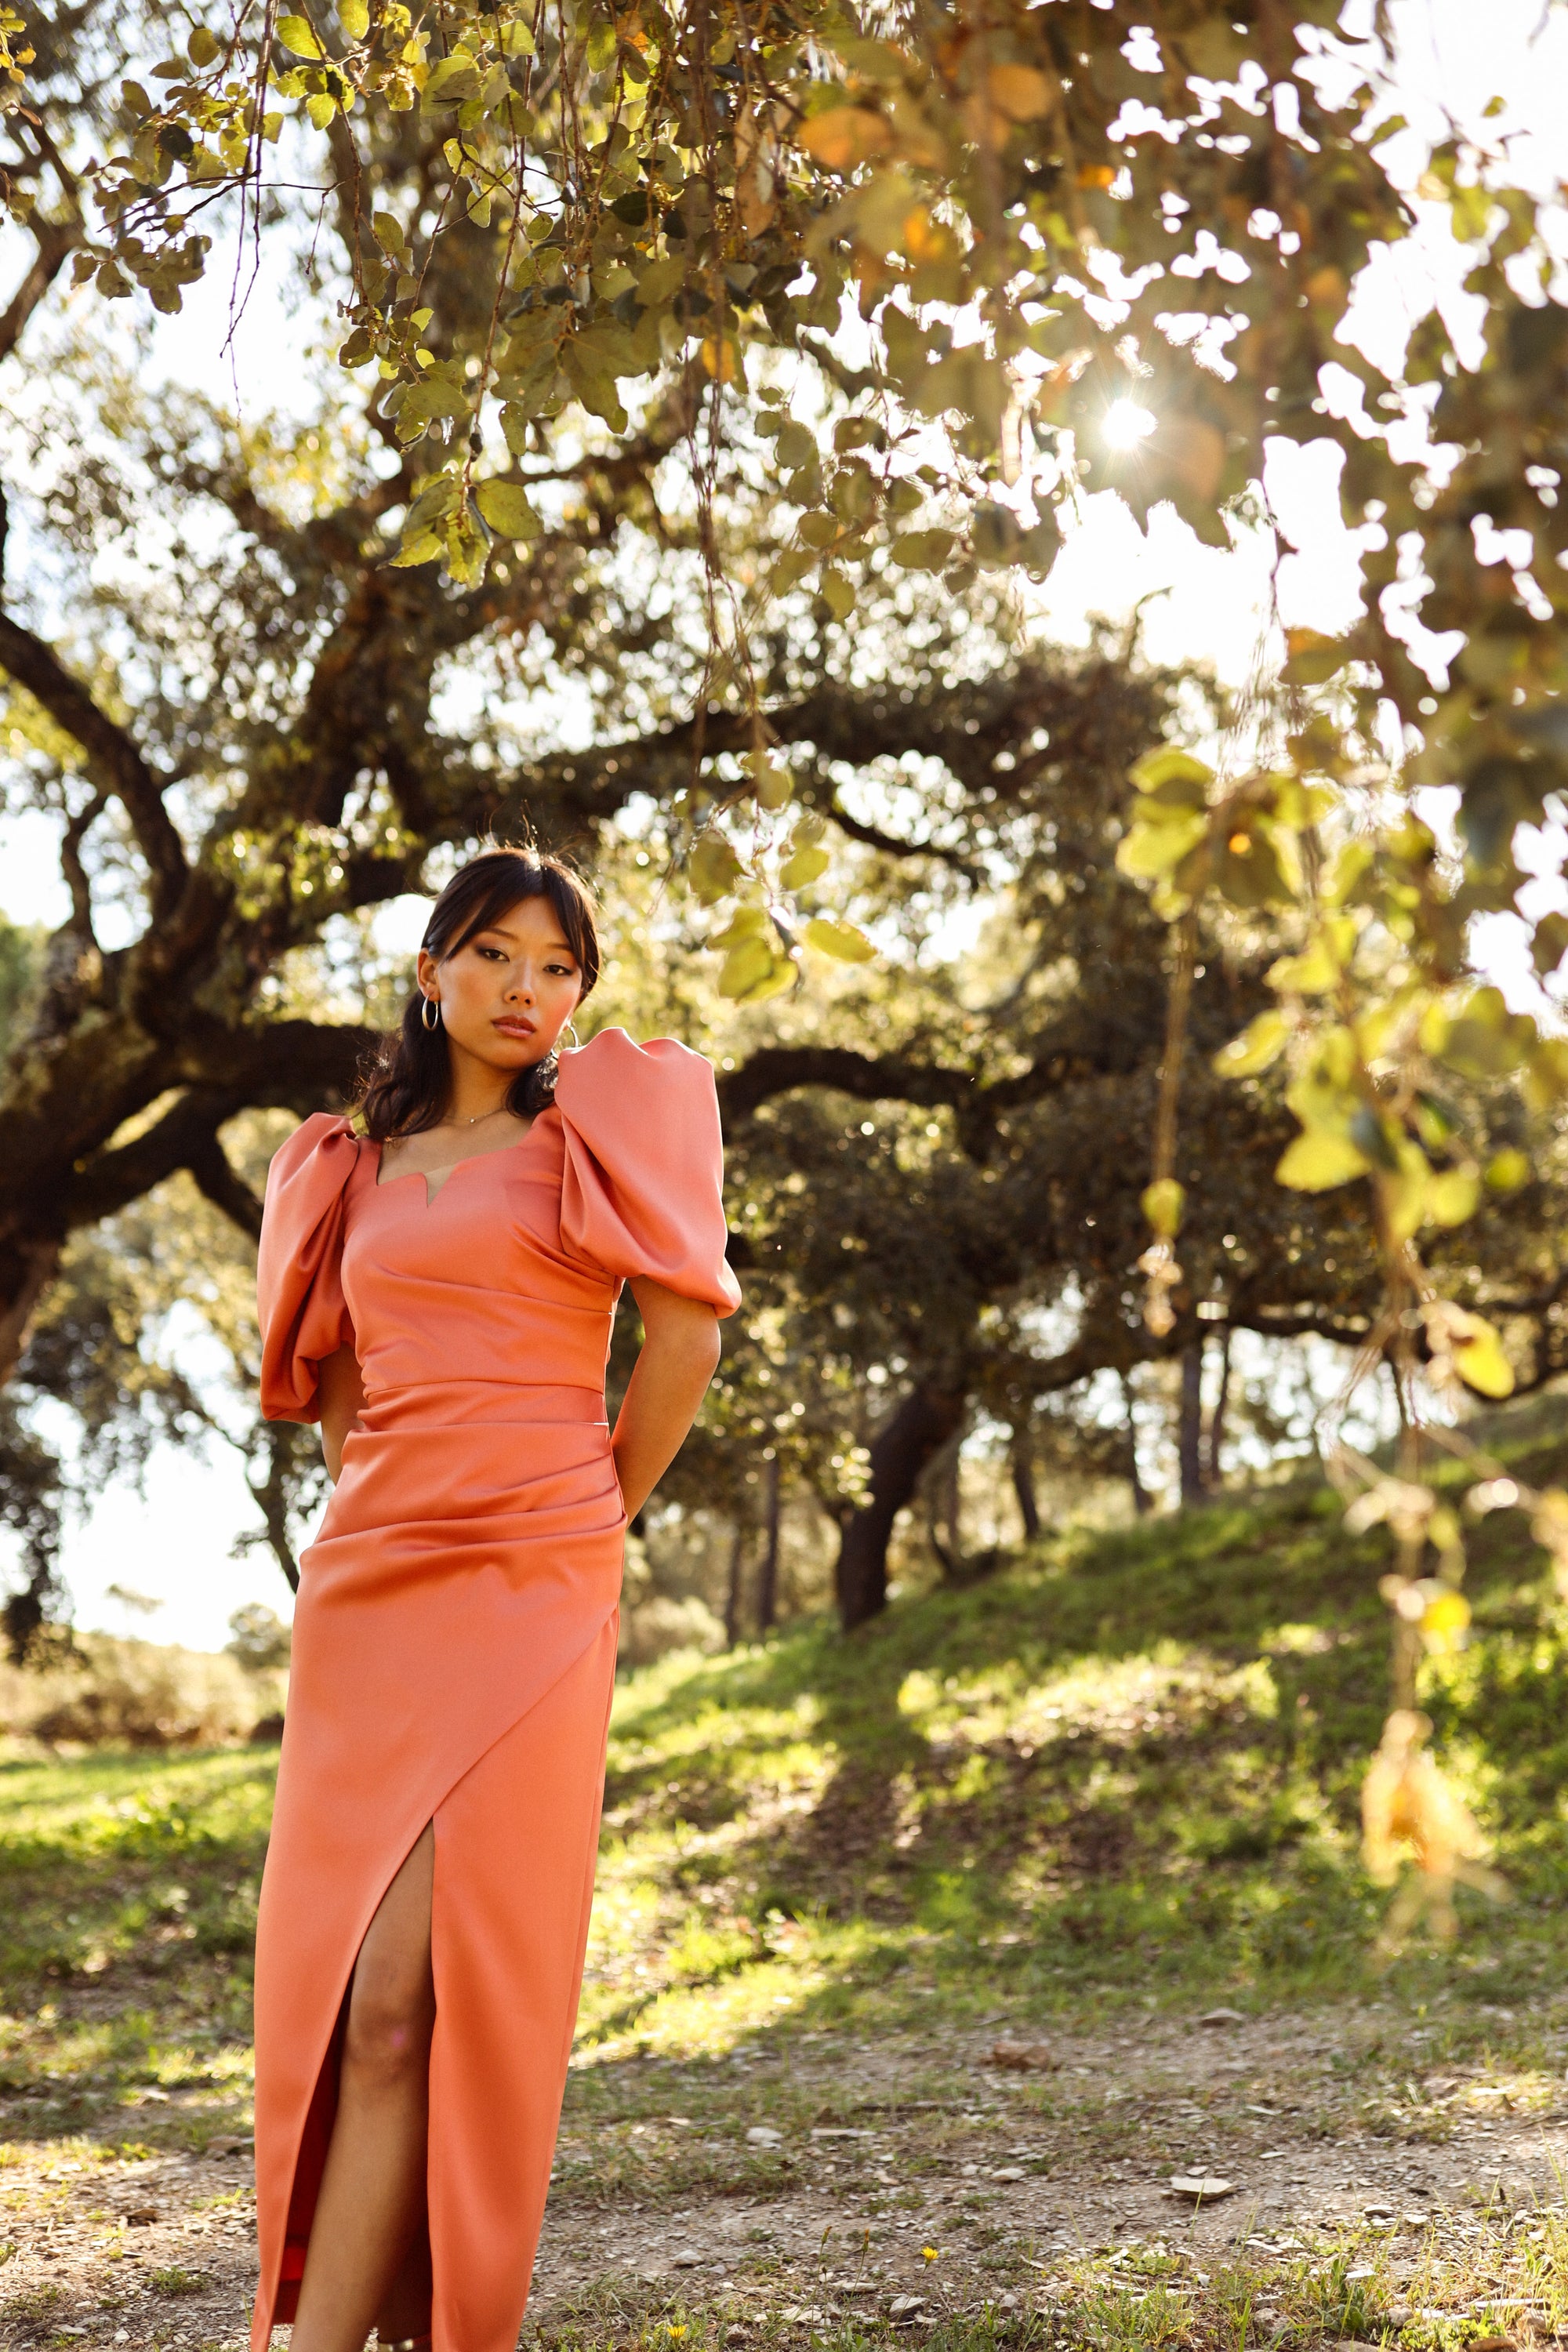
<point x="507" y="993"/>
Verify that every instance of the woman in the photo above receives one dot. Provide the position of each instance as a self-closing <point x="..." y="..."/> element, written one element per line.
<point x="439" y="1294"/>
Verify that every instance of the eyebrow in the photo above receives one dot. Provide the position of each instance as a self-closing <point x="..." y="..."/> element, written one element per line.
<point x="498" y="930"/>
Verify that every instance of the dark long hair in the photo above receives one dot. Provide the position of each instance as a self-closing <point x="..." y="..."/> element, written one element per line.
<point x="407" y="1082"/>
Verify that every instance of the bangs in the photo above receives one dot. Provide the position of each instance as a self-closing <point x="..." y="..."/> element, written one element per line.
<point x="498" y="880"/>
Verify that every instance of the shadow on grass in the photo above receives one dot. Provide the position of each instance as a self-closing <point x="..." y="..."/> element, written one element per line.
<point x="1134" y="1759"/>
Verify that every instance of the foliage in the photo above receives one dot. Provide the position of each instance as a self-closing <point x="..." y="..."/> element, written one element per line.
<point x="887" y="294"/>
<point x="258" y="1636"/>
<point x="109" y="1692"/>
<point x="535" y="210"/>
<point x="1126" y="1770"/>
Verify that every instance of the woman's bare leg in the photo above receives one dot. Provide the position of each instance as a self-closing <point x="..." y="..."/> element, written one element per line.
<point x="367" y="2260"/>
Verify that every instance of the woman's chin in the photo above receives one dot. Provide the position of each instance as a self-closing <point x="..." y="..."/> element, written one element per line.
<point x="506" y="1055"/>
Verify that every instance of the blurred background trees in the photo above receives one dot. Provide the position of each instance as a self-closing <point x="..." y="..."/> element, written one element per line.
<point x="251" y="730"/>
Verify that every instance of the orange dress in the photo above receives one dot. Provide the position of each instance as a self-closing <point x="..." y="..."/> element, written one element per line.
<point x="455" y="1634"/>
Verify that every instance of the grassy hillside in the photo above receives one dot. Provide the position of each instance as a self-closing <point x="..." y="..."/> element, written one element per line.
<point x="1131" y="1764"/>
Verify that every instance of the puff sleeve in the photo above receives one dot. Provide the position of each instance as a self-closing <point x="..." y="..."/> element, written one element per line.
<point x="298" y="1280"/>
<point x="642" y="1189"/>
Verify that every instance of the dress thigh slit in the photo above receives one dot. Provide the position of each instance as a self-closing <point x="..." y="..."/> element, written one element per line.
<point x="516" y="1845"/>
<point x="315" y="2139"/>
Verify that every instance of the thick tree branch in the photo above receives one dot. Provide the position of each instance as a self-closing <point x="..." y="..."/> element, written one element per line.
<point x="782" y="1069"/>
<point x="1060" y="1061"/>
<point x="186" y="1132"/>
<point x="223" y="1186"/>
<point x="299" y="1065"/>
<point x="55" y="240"/>
<point x="112" y="758"/>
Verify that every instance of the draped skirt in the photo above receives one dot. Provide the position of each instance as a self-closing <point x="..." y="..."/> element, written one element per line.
<point x="453" y="1662"/>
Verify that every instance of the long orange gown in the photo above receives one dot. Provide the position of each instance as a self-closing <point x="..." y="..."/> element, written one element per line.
<point x="455" y="1634"/>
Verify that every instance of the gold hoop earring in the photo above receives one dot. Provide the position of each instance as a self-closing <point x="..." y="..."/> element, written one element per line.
<point x="573" y="1026"/>
<point x="430" y="1012"/>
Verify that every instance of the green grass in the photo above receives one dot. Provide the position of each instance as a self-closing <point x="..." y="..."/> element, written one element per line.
<point x="1122" y="1776"/>
<point x="127" y="1914"/>
<point x="1132" y="1764"/>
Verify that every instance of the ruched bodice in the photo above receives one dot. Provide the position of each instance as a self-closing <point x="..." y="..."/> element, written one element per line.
<point x="513" y="1270"/>
<point x="455" y="1632"/>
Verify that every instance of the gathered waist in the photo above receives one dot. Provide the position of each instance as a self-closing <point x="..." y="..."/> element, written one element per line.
<point x="455" y="1403"/>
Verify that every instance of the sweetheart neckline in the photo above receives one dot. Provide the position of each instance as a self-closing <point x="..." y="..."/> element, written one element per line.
<point x="447" y="1172"/>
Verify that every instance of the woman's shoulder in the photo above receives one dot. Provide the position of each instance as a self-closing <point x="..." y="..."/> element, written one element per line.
<point x="309" y="1169"/>
<point x="613" y="1078"/>
<point x="298" y="1285"/>
<point x="641" y="1191"/>
<point x="325" y="1133"/>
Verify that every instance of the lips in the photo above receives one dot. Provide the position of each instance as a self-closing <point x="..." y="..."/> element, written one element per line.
<point x="514" y="1028"/>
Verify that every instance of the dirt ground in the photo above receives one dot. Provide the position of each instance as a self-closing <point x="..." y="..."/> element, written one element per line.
<point x="1335" y="2123"/>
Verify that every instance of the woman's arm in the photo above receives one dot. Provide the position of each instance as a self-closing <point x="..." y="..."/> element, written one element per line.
<point x="341" y="1398"/>
<point x="668" y="1381"/>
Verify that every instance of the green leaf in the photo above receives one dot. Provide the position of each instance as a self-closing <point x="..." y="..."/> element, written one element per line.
<point x="592" y="381"/>
<point x="754" y="970"/>
<point x="203" y="48"/>
<point x="424" y="548"/>
<point x="771" y="782"/>
<point x="601" y="47"/>
<point x="1480" y="1359"/>
<point x="923" y="551"/>
<point x="795" y="447"/>
<point x="1260" y="1043"/>
<point x="790" y="569"/>
<point x="454" y="81"/>
<point x="714" y="869"/>
<point x="432" y="504"/>
<point x="1311" y="973"/>
<point x="837" y="595"/>
<point x="1313" y="659"/>
<point x="1317" y="1161"/>
<point x="1166" y="764"/>
<point x="746" y="923"/>
<point x="1164" y="1202"/>
<point x="840" y="940"/>
<point x="388" y="231"/>
<point x="296" y="34"/>
<point x="1146" y="851"/>
<point x="354" y="15"/>
<point x="505" y="507"/>
<point x="995" y="535"/>
<point x="320" y="109"/>
<point x="805" y="866"/>
<point x="1507" y="1170"/>
<point x="1453" y="1196"/>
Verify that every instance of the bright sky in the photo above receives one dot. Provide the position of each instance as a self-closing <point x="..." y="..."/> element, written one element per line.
<point x="174" y="1543"/>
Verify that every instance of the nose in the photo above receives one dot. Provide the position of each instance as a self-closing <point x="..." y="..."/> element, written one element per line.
<point x="518" y="986"/>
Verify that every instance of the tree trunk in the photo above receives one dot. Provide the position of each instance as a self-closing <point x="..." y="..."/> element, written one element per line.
<point x="900" y="1452"/>
<point x="1023" y="1469"/>
<point x="1142" y="1500"/>
<point x="1190" y="1429"/>
<point x="270" y="1495"/>
<point x="768" y="1575"/>
<point x="27" y="1265"/>
<point x="1216" y="1419"/>
<point x="732" y="1594"/>
<point x="945" y="1510"/>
